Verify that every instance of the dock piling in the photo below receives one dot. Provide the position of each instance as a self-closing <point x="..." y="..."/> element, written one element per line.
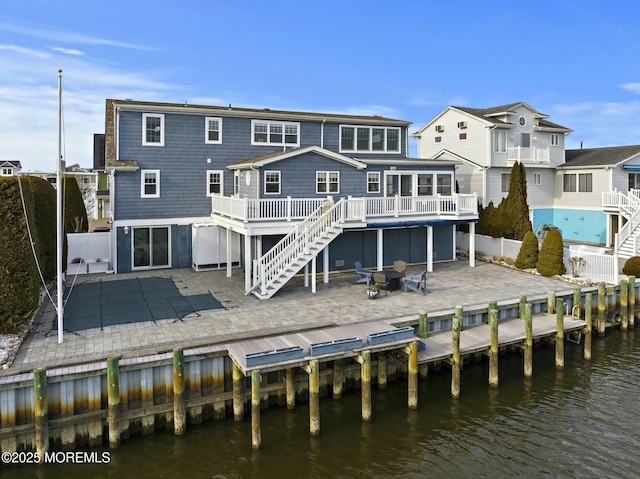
<point x="528" y="343"/>
<point x="41" y="411"/>
<point x="290" y="389"/>
<point x="113" y="396"/>
<point x="179" y="402"/>
<point x="314" y="397"/>
<point x="493" y="349"/>
<point x="238" y="399"/>
<point x="602" y="308"/>
<point x="382" y="370"/>
<point x="587" y="329"/>
<point x="365" y="375"/>
<point x="559" y="334"/>
<point x="632" y="301"/>
<point x="256" y="434"/>
<point x="624" y="304"/>
<point x="455" y="348"/>
<point x="413" y="375"/>
<point x="422" y="324"/>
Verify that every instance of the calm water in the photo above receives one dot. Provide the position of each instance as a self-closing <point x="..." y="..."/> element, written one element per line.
<point x="579" y="422"/>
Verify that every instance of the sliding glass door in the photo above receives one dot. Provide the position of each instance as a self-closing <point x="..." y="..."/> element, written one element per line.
<point x="151" y="247"/>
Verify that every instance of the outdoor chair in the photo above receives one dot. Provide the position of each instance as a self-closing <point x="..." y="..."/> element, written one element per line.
<point x="380" y="281"/>
<point x="400" y="266"/>
<point x="362" y="276"/>
<point x="417" y="283"/>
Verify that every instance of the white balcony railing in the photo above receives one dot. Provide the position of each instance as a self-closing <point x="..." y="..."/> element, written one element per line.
<point x="532" y="154"/>
<point x="356" y="209"/>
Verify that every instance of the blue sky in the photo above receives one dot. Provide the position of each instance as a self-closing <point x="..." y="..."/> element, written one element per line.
<point x="576" y="60"/>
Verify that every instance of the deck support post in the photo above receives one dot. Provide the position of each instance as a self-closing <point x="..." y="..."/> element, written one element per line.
<point x="229" y="253"/>
<point x="493" y="349"/>
<point x="364" y="358"/>
<point x="325" y="264"/>
<point x="256" y="435"/>
<point x="314" y="279"/>
<point x="559" y="334"/>
<point x="338" y="378"/>
<point x="624" y="304"/>
<point x="382" y="370"/>
<point x="290" y="388"/>
<point x="179" y="400"/>
<point x="238" y="399"/>
<point x="632" y="301"/>
<point x="528" y="342"/>
<point x="430" y="249"/>
<point x="472" y="244"/>
<point x="422" y="324"/>
<point x="247" y="263"/>
<point x="306" y="275"/>
<point x="455" y="349"/>
<point x="113" y="401"/>
<point x="413" y="375"/>
<point x="314" y="397"/>
<point x="587" y="328"/>
<point x="380" y="250"/>
<point x="41" y="411"/>
<point x="602" y="308"/>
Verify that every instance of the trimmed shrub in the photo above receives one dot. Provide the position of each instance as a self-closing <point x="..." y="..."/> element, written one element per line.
<point x="528" y="254"/>
<point x="44" y="235"/>
<point x="632" y="266"/>
<point x="75" y="213"/>
<point x="551" y="254"/>
<point x="19" y="281"/>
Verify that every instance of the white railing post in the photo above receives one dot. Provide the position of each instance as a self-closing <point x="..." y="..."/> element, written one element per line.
<point x="396" y="206"/>
<point x="288" y="208"/>
<point x="263" y="284"/>
<point x="246" y="208"/>
<point x="255" y="272"/>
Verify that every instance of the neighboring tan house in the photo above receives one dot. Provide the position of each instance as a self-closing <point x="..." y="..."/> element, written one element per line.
<point x="277" y="192"/>
<point x="10" y="167"/>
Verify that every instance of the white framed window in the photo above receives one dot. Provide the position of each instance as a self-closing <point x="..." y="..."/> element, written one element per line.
<point x="275" y="133"/>
<point x="438" y="139"/>
<point x="327" y="182"/>
<point x="499" y="141"/>
<point x="537" y="179"/>
<point x="212" y="130"/>
<point x="581" y="183"/>
<point x="504" y="182"/>
<point x="271" y="182"/>
<point x="443" y="184"/>
<point x="373" y="182"/>
<point x="7" y="172"/>
<point x="555" y="139"/>
<point x="369" y="139"/>
<point x="150" y="183"/>
<point x="425" y="184"/>
<point x="462" y="136"/>
<point x="236" y="183"/>
<point x="215" y="183"/>
<point x="152" y="129"/>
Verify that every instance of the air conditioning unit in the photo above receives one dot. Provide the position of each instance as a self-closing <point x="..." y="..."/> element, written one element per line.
<point x="439" y="128"/>
<point x="462" y="125"/>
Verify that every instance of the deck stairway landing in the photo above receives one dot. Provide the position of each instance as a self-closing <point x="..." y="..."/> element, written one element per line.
<point x="275" y="268"/>
<point x="627" y="240"/>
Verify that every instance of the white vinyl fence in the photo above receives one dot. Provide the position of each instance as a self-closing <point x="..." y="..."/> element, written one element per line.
<point x="595" y="266"/>
<point x="88" y="253"/>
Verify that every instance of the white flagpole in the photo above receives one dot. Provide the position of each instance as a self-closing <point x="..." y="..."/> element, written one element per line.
<point x="59" y="217"/>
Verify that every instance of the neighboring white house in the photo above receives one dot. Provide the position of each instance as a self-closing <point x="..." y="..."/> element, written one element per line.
<point x="10" y="167"/>
<point x="589" y="194"/>
<point x="488" y="141"/>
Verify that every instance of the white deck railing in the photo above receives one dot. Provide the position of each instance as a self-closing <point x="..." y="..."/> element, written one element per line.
<point x="523" y="154"/>
<point x="287" y="209"/>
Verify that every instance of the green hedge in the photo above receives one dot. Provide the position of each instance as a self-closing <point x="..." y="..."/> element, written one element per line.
<point x="75" y="213"/>
<point x="19" y="281"/>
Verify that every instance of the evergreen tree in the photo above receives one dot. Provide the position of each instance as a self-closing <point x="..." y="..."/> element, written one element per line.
<point x="550" y="258"/>
<point x="75" y="213"/>
<point x="528" y="254"/>
<point x="516" y="208"/>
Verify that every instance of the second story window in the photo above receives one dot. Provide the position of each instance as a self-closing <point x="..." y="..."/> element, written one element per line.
<point x="369" y="139"/>
<point x="327" y="182"/>
<point x="505" y="178"/>
<point x="499" y="141"/>
<point x="275" y="133"/>
<point x="214" y="182"/>
<point x="213" y="130"/>
<point x="152" y="129"/>
<point x="555" y="139"/>
<point x="150" y="183"/>
<point x="373" y="182"/>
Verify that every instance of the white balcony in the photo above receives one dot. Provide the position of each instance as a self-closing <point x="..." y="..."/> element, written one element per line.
<point x="528" y="155"/>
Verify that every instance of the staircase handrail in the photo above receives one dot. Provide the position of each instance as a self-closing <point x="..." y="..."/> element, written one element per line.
<point x="628" y="228"/>
<point x="295" y="244"/>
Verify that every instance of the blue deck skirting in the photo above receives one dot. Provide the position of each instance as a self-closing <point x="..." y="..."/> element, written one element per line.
<point x="397" y="334"/>
<point x="276" y="355"/>
<point x="335" y="346"/>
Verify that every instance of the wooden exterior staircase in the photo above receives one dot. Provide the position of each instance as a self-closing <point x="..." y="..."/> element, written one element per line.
<point x="276" y="267"/>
